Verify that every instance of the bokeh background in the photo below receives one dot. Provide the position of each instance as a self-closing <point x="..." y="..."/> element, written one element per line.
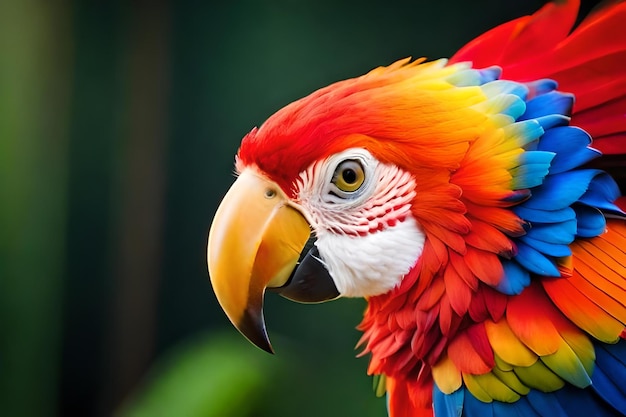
<point x="118" y="125"/>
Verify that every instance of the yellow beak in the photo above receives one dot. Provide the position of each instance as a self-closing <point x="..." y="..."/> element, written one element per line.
<point x="254" y="243"/>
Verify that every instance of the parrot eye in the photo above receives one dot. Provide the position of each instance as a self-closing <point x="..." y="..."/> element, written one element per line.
<point x="349" y="176"/>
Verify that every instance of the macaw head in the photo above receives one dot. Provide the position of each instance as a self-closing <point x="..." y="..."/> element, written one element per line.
<point x="380" y="170"/>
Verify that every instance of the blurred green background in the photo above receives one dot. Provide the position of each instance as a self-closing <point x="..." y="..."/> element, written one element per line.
<point x="119" y="121"/>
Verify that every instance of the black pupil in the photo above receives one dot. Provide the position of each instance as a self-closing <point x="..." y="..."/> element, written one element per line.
<point x="349" y="176"/>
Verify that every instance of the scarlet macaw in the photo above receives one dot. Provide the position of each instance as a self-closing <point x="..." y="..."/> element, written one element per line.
<point x="459" y="197"/>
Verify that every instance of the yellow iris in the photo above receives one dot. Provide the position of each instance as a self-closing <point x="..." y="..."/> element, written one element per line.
<point x="349" y="176"/>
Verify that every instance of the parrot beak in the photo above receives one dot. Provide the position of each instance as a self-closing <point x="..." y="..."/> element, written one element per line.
<point x="255" y="242"/>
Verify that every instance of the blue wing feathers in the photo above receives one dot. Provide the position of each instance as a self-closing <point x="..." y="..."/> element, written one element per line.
<point x="609" y="391"/>
<point x="602" y="192"/>
<point x="552" y="120"/>
<point x="530" y="175"/>
<point x="525" y="133"/>
<point x="473" y="407"/>
<point x="557" y="233"/>
<point x="521" y="408"/>
<point x="611" y="361"/>
<point x="561" y="190"/>
<point x="560" y="202"/>
<point x="545" y="404"/>
<point x="515" y="279"/>
<point x="582" y="403"/>
<point x="565" y="202"/>
<point x="545" y="216"/>
<point x="590" y="221"/>
<point x="535" y="261"/>
<point x="539" y="87"/>
<point x="570" y="144"/>
<point x="537" y="157"/>
<point x="448" y="405"/>
<point x="552" y="102"/>
<point x="552" y="249"/>
<point x="489" y="74"/>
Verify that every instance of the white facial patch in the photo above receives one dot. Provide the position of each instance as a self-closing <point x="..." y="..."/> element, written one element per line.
<point x="367" y="238"/>
<point x="374" y="263"/>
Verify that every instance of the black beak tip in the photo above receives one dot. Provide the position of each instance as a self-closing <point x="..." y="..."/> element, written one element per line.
<point x="252" y="326"/>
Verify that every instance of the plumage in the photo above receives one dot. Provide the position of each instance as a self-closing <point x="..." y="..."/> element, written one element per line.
<point x="485" y="233"/>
